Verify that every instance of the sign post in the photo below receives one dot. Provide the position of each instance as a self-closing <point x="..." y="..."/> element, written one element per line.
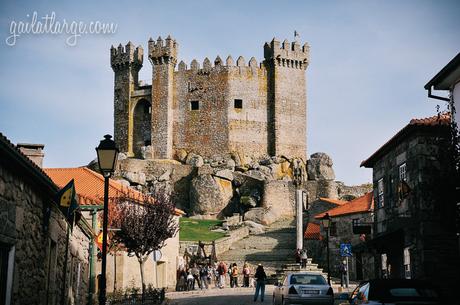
<point x="345" y="251"/>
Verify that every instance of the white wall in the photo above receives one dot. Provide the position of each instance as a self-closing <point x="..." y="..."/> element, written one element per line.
<point x="456" y="101"/>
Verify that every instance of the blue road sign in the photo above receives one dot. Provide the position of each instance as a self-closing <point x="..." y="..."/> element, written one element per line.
<point x="345" y="250"/>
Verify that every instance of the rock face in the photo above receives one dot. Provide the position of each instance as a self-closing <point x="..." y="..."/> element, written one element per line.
<point x="209" y="195"/>
<point x="319" y="167"/>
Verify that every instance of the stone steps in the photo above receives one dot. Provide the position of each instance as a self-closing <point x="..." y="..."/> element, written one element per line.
<point x="274" y="249"/>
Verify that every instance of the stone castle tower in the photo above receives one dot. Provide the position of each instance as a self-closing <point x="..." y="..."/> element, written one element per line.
<point x="213" y="109"/>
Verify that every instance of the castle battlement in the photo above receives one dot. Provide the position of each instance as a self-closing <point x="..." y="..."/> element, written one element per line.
<point x="287" y="54"/>
<point x="129" y="55"/>
<point x="163" y="51"/>
<point x="218" y="65"/>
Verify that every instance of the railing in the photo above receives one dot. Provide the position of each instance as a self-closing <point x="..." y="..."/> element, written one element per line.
<point x="153" y="297"/>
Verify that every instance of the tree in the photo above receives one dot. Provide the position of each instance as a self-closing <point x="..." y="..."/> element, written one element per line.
<point x="144" y="226"/>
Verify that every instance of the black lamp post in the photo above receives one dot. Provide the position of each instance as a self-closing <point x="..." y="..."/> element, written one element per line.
<point x="107" y="152"/>
<point x="326" y="221"/>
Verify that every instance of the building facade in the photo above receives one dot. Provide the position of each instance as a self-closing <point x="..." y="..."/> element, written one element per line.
<point x="33" y="237"/>
<point x="216" y="109"/>
<point x="414" y="222"/>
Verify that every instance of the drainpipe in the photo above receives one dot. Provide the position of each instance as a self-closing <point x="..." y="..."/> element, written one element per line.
<point x="92" y="267"/>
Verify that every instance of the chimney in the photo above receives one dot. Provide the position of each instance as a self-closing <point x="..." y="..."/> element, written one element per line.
<point x="33" y="151"/>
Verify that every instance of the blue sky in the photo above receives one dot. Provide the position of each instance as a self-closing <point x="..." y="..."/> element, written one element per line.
<point x="369" y="63"/>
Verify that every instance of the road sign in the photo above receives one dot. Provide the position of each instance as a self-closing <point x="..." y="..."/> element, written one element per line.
<point x="345" y="250"/>
<point x="156" y="255"/>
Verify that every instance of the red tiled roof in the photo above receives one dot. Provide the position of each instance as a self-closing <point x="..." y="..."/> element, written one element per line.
<point x="333" y="201"/>
<point x="312" y="231"/>
<point x="90" y="185"/>
<point x="361" y="204"/>
<point x="441" y="120"/>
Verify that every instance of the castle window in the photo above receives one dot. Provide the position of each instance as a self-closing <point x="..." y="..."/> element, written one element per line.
<point x="402" y="172"/>
<point x="194" y="105"/>
<point x="238" y="104"/>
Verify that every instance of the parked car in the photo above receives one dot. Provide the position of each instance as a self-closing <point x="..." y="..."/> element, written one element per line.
<point x="394" y="292"/>
<point x="303" y="288"/>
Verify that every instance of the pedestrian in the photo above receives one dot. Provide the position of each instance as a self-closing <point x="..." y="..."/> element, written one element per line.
<point x="182" y="283"/>
<point x="260" y="277"/>
<point x="303" y="258"/>
<point x="234" y="276"/>
<point x="196" y="275"/>
<point x="297" y="256"/>
<point x="246" y="273"/>
<point x="222" y="270"/>
<point x="204" y="277"/>
<point x="190" y="282"/>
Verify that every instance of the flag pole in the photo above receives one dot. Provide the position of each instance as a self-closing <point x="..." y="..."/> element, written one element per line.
<point x="65" y="265"/>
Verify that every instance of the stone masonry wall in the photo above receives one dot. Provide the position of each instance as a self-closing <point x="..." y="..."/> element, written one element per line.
<point x="39" y="254"/>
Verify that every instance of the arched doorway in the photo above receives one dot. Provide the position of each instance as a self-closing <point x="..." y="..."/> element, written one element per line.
<point x="142" y="126"/>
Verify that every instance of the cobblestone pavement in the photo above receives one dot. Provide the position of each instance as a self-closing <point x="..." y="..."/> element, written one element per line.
<point x="215" y="296"/>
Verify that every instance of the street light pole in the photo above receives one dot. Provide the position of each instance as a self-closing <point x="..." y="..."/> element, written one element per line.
<point x="326" y="221"/>
<point x="107" y="152"/>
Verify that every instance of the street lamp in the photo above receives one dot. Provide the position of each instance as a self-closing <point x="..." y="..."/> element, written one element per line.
<point x="107" y="153"/>
<point x="326" y="221"/>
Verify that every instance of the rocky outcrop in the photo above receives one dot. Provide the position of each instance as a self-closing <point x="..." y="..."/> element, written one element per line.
<point x="209" y="194"/>
<point x="319" y="167"/>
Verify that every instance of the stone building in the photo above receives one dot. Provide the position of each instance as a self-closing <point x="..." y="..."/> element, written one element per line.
<point x="33" y="236"/>
<point x="122" y="270"/>
<point x="414" y="221"/>
<point x="344" y="216"/>
<point x="214" y="109"/>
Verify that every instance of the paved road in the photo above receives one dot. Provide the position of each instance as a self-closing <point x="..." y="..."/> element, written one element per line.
<point x="226" y="296"/>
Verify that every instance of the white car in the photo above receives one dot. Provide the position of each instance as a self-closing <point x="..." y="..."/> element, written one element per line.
<point x="303" y="288"/>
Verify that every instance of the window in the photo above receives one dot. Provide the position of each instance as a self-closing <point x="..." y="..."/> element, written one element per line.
<point x="402" y="172"/>
<point x="407" y="263"/>
<point x="333" y="229"/>
<point x="194" y="105"/>
<point x="238" y="104"/>
<point x="380" y="191"/>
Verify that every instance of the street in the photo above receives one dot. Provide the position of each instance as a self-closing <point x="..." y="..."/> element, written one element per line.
<point x="214" y="296"/>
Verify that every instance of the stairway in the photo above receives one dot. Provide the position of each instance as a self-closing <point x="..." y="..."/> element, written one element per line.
<point x="274" y="249"/>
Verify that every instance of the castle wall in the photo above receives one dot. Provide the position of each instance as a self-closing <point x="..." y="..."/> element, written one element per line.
<point x="203" y="131"/>
<point x="247" y="127"/>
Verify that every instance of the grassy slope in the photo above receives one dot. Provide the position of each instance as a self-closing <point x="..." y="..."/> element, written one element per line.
<point x="194" y="230"/>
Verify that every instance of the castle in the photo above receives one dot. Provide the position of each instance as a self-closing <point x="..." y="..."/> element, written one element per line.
<point x="216" y="109"/>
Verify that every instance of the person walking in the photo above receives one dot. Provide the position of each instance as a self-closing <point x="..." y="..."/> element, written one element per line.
<point x="204" y="277"/>
<point x="260" y="277"/>
<point x="234" y="276"/>
<point x="246" y="273"/>
<point x="303" y="258"/>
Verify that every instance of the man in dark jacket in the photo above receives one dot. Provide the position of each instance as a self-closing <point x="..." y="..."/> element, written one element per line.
<point x="260" y="277"/>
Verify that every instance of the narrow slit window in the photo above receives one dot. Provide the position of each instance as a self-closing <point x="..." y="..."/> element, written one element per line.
<point x="238" y="104"/>
<point x="194" y="105"/>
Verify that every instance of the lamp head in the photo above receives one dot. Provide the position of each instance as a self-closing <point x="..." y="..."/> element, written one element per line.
<point x="107" y="153"/>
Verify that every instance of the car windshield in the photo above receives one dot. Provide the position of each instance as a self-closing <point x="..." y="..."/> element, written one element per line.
<point x="307" y="279"/>
<point x="392" y="291"/>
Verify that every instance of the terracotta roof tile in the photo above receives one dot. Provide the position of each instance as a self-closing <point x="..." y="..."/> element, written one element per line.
<point x="312" y="231"/>
<point x="90" y="185"/>
<point x="333" y="201"/>
<point x="361" y="204"/>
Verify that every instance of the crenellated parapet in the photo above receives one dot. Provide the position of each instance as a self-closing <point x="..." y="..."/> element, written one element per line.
<point x="286" y="54"/>
<point x="163" y="51"/>
<point x="219" y="64"/>
<point x="126" y="57"/>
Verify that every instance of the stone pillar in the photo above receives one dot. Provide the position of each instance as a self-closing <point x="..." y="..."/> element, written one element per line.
<point x="299" y="216"/>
